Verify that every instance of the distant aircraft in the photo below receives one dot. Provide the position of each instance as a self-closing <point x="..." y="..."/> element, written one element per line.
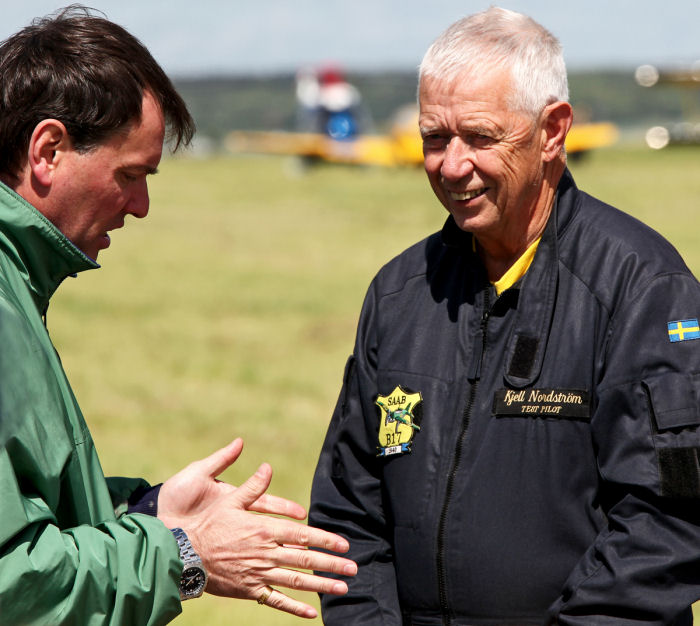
<point x="686" y="132"/>
<point x="333" y="127"/>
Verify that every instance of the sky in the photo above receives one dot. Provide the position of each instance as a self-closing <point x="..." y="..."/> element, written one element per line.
<point x="212" y="37"/>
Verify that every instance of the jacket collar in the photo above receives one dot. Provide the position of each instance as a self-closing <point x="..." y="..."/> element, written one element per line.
<point x="537" y="289"/>
<point x="454" y="237"/>
<point x="538" y="292"/>
<point x="37" y="249"/>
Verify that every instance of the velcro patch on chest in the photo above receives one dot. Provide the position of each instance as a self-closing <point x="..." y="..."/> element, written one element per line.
<point x="561" y="403"/>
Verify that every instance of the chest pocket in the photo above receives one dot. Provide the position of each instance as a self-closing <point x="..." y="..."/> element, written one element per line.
<point x="410" y="474"/>
<point x="673" y="403"/>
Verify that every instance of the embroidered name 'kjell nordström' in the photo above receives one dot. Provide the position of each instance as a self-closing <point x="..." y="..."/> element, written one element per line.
<point x="563" y="403"/>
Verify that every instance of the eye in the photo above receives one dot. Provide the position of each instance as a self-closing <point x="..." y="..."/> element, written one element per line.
<point x="434" y="141"/>
<point x="479" y="140"/>
<point x="129" y="176"/>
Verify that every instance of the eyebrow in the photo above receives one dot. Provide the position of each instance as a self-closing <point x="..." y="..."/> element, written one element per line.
<point x="480" y="130"/>
<point x="427" y="129"/>
<point x="477" y="129"/>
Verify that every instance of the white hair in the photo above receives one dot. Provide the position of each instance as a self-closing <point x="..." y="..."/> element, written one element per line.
<point x="499" y="38"/>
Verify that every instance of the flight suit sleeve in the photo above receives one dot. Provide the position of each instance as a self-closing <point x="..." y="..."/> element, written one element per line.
<point x="346" y="495"/>
<point x="644" y="567"/>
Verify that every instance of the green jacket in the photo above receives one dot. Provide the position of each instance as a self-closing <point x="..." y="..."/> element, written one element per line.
<point x="68" y="552"/>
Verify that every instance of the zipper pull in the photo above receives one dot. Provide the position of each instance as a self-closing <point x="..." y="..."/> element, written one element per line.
<point x="474" y="371"/>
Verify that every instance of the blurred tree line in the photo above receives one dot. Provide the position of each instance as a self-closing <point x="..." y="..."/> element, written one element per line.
<point x="221" y="104"/>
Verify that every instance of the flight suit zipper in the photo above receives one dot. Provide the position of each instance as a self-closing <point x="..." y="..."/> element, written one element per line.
<point x="474" y="374"/>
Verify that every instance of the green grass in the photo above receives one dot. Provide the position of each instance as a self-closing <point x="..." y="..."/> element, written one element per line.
<point x="231" y="309"/>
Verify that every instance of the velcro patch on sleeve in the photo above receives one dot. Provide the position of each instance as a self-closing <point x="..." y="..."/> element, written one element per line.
<point x="680" y="472"/>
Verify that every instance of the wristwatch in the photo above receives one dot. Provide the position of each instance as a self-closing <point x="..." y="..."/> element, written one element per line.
<point x="194" y="577"/>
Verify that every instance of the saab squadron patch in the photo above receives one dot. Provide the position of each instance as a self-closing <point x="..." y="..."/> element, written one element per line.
<point x="400" y="414"/>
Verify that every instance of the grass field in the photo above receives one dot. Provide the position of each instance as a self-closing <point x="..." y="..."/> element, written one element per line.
<point x="231" y="309"/>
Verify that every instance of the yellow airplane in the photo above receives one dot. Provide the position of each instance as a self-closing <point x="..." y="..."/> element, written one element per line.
<point x="331" y="108"/>
<point x="402" y="146"/>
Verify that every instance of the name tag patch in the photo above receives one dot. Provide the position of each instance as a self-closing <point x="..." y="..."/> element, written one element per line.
<point x="562" y="403"/>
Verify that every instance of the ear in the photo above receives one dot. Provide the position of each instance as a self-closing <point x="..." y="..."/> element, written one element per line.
<point x="47" y="145"/>
<point x="556" y="122"/>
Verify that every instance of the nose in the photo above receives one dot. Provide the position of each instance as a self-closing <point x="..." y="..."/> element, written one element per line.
<point x="458" y="160"/>
<point x="139" y="201"/>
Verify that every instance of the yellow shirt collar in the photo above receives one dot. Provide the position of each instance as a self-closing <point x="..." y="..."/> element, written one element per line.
<point x="517" y="270"/>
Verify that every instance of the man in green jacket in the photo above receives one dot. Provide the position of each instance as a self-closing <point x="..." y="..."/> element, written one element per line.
<point x="84" y="110"/>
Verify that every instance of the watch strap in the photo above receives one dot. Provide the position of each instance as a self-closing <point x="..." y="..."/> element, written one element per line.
<point x="187" y="553"/>
<point x="190" y="560"/>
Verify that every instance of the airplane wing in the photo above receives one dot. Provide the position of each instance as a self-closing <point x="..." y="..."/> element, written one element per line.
<point x="401" y="147"/>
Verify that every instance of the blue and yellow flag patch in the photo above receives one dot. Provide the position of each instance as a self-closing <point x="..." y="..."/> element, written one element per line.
<point x="683" y="330"/>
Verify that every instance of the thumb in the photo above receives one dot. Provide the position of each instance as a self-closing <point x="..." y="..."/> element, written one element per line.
<point x="254" y="487"/>
<point x="223" y="458"/>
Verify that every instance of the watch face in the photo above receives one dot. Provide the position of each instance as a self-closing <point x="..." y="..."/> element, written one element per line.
<point x="193" y="581"/>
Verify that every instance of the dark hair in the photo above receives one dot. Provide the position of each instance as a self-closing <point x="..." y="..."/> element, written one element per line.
<point x="86" y="72"/>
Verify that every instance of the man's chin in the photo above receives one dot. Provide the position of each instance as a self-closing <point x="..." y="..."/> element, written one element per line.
<point x="91" y="251"/>
<point x="467" y="224"/>
<point x="102" y="244"/>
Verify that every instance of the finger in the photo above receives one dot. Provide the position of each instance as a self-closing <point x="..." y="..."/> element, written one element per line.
<point x="286" y="532"/>
<point x="253" y="488"/>
<point x="281" y="602"/>
<point x="223" y="458"/>
<point x="299" y="558"/>
<point x="304" y="581"/>
<point x="275" y="505"/>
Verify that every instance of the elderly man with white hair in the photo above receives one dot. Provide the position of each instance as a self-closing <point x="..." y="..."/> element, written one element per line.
<point x="517" y="436"/>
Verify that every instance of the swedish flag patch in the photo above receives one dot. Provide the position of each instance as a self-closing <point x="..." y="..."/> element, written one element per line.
<point x="683" y="330"/>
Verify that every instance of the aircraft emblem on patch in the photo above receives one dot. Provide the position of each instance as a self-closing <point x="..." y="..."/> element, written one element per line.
<point x="400" y="414"/>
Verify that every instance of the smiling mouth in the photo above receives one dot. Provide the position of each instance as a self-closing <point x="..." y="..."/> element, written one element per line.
<point x="467" y="195"/>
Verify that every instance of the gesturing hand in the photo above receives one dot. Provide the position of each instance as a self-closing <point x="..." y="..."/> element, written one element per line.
<point x="244" y="552"/>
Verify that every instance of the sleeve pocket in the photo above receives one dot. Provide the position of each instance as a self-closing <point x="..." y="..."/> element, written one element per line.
<point x="674" y="400"/>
